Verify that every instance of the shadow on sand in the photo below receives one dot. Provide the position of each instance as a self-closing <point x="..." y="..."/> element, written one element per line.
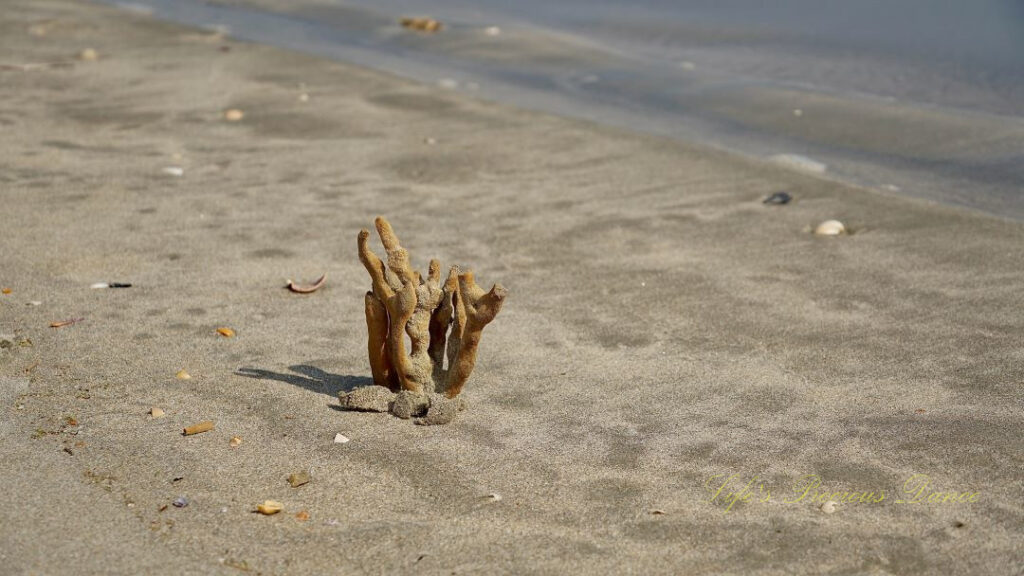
<point x="310" y="378"/>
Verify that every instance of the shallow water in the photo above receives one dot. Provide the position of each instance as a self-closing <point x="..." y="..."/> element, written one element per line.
<point x="917" y="97"/>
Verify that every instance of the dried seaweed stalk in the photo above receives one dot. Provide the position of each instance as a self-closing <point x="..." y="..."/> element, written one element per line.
<point x="439" y="320"/>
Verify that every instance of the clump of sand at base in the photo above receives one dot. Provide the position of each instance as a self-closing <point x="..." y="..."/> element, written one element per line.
<point x="444" y="322"/>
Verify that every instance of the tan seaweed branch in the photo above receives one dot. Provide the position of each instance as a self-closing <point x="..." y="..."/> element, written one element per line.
<point x="442" y="321"/>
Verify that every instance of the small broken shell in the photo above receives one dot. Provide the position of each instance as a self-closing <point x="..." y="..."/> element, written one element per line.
<point x="226" y="332"/>
<point x="829" y="507"/>
<point x="182" y="375"/>
<point x="235" y="442"/>
<point x="830" y="228"/>
<point x="307" y="288"/>
<point x="340" y="439"/>
<point x="156" y="412"/>
<point x="269" y="507"/>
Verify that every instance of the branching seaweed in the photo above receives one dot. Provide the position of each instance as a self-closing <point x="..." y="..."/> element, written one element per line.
<point x="442" y="321"/>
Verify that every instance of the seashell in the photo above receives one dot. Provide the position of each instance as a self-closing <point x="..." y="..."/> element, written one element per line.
<point x="174" y="171"/>
<point x="233" y="115"/>
<point x="156" y="412"/>
<point x="492" y="31"/>
<point x="340" y="439"/>
<point x="269" y="507"/>
<point x="235" y="442"/>
<point x="828" y="507"/>
<point x="226" y="332"/>
<point x="830" y="228"/>
<point x="182" y="375"/>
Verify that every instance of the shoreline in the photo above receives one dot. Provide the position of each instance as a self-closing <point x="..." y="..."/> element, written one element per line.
<point x="890" y="142"/>
<point x="663" y="326"/>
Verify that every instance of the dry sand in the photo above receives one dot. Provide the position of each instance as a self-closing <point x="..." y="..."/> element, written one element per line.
<point x="663" y="326"/>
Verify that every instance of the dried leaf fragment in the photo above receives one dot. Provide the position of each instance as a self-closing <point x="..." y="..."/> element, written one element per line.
<point x="226" y="332"/>
<point x="204" y="426"/>
<point x="269" y="507"/>
<point x="298" y="479"/>
<point x="307" y="288"/>
<point x="68" y="322"/>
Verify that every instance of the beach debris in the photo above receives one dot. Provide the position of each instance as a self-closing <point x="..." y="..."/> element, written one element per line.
<point x="34" y="303"/>
<point x="830" y="228"/>
<point x="89" y="55"/>
<point x="442" y="320"/>
<point x="302" y="515"/>
<point x="658" y="512"/>
<point x="687" y="65"/>
<point x="493" y="497"/>
<point x="68" y="322"/>
<point x="235" y="442"/>
<point x="157" y="412"/>
<point x="100" y="285"/>
<point x="341" y="439"/>
<point x="778" y="198"/>
<point x="233" y="115"/>
<point x="199" y="428"/>
<point x="492" y="31"/>
<point x="430" y="141"/>
<point x="829" y="507"/>
<point x="226" y="332"/>
<point x="6" y="340"/>
<point x="799" y="162"/>
<point x="421" y="24"/>
<point x="269" y="507"/>
<point x="798" y="112"/>
<point x="304" y="97"/>
<point x="307" y="288"/>
<point x="448" y="83"/>
<point x="180" y="502"/>
<point x="367" y="399"/>
<point x="174" y="170"/>
<point x="5" y="290"/>
<point x="298" y="479"/>
<point x="182" y="375"/>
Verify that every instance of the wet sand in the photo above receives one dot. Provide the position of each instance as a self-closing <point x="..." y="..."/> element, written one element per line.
<point x="663" y="327"/>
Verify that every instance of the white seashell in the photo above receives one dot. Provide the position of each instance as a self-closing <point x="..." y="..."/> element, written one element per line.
<point x="174" y="170"/>
<point x="100" y="285"/>
<point x="828" y="507"/>
<point x="830" y="228"/>
<point x="339" y="439"/>
<point x="492" y="31"/>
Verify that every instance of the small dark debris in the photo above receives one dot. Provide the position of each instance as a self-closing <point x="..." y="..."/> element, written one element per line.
<point x="69" y="451"/>
<point x="119" y="285"/>
<point x="778" y="198"/>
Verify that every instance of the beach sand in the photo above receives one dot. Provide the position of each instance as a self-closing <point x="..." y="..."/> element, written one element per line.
<point x="663" y="327"/>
